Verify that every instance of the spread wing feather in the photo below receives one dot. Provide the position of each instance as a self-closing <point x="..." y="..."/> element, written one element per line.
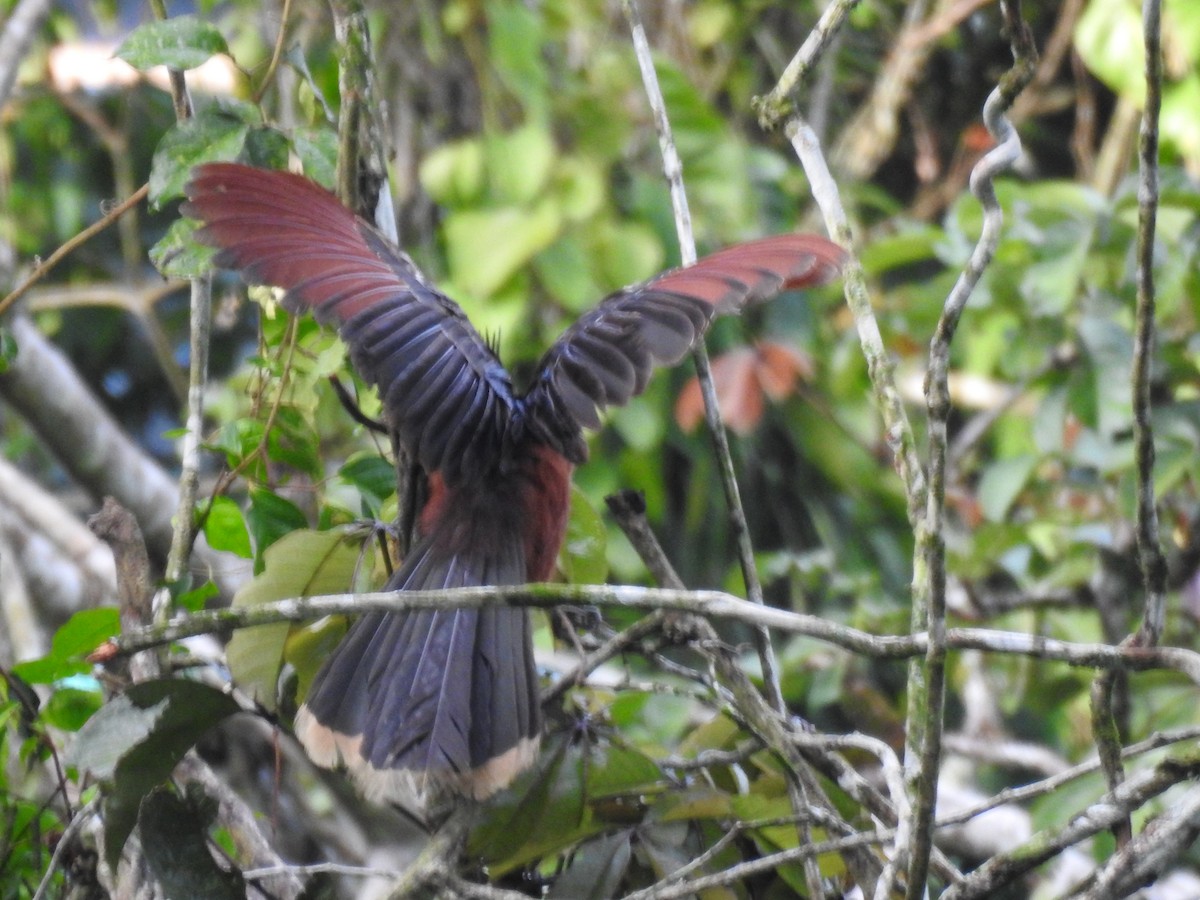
<point x="405" y="337"/>
<point x="607" y="356"/>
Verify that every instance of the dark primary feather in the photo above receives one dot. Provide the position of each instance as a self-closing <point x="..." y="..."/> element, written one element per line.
<point x="607" y="356"/>
<point x="405" y="337"/>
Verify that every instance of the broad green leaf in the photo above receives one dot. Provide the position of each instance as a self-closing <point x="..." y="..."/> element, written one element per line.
<point x="596" y="869"/>
<point x="620" y="770"/>
<point x="565" y="270"/>
<point x="195" y="599"/>
<point x="544" y="812"/>
<point x="300" y="564"/>
<point x="519" y="163"/>
<point x="293" y="441"/>
<point x="79" y="636"/>
<point x="487" y="247"/>
<point x="317" y="149"/>
<point x="211" y="136"/>
<point x="70" y="707"/>
<point x="626" y="253"/>
<point x="178" y="255"/>
<point x="136" y="740"/>
<point x="583" y="557"/>
<point x="453" y="173"/>
<point x="266" y="147"/>
<point x="174" y="834"/>
<point x="225" y="528"/>
<point x="373" y="476"/>
<point x="309" y="645"/>
<point x="1002" y="481"/>
<point x="183" y="42"/>
<point x="515" y="35"/>
<point x="271" y="517"/>
<point x="579" y="182"/>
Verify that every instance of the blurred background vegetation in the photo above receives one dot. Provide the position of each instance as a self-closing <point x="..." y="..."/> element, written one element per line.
<point x="528" y="183"/>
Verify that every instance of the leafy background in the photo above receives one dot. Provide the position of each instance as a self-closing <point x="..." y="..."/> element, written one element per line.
<point x="527" y="180"/>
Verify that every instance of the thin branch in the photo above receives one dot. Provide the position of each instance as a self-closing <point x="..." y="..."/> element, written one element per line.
<point x="83" y="237"/>
<point x="897" y="431"/>
<point x="673" y="170"/>
<point x="871" y="135"/>
<point x="926" y="702"/>
<point x="66" y="841"/>
<point x="20" y="28"/>
<point x="1156" y="741"/>
<point x="276" y="54"/>
<point x="1143" y="859"/>
<point x="1005" y="868"/>
<point x="1154" y="566"/>
<point x="199" y="335"/>
<point x="774" y="107"/>
<point x="709" y="604"/>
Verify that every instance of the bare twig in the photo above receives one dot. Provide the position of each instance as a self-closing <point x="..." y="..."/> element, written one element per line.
<point x="709" y="604"/>
<point x="199" y="332"/>
<point x="83" y="237"/>
<point x="1154" y="566"/>
<point x="1144" y="858"/>
<point x="1112" y="807"/>
<point x="774" y="107"/>
<point x="673" y="170"/>
<point x="897" y="431"/>
<point x="1150" y="555"/>
<point x="276" y="53"/>
<point x="19" y="30"/>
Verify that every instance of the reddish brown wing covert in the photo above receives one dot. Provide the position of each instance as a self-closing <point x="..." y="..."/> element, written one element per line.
<point x="442" y="388"/>
<point x="607" y="356"/>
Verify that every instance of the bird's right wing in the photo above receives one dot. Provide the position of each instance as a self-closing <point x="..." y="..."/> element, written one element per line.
<point x="442" y="388"/>
<point x="607" y="356"/>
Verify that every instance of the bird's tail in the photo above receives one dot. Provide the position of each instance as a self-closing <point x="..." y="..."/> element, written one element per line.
<point x="444" y="698"/>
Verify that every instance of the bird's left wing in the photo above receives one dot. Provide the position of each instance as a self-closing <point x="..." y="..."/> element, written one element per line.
<point x="441" y="386"/>
<point x="607" y="356"/>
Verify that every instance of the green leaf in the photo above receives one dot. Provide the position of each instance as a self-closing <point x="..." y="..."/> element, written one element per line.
<point x="565" y="270"/>
<point x="584" y="558"/>
<point x="196" y="599"/>
<point x="183" y="42"/>
<point x="519" y="163"/>
<point x="373" y="476"/>
<point x="225" y="528"/>
<point x="309" y="645"/>
<point x="266" y="147"/>
<point x="596" y="869"/>
<point x="271" y="517"/>
<point x="487" y="247"/>
<point x="72" y="643"/>
<point x="174" y="832"/>
<point x="8" y="350"/>
<point x="613" y="770"/>
<point x="70" y="707"/>
<point x="1002" y="481"/>
<point x="136" y="740"/>
<point x="178" y="255"/>
<point x="453" y="173"/>
<point x="515" y="36"/>
<point x="211" y="136"/>
<point x="300" y="564"/>
<point x="317" y="149"/>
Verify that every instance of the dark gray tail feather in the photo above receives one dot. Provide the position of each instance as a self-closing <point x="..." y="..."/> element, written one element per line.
<point x="445" y="697"/>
